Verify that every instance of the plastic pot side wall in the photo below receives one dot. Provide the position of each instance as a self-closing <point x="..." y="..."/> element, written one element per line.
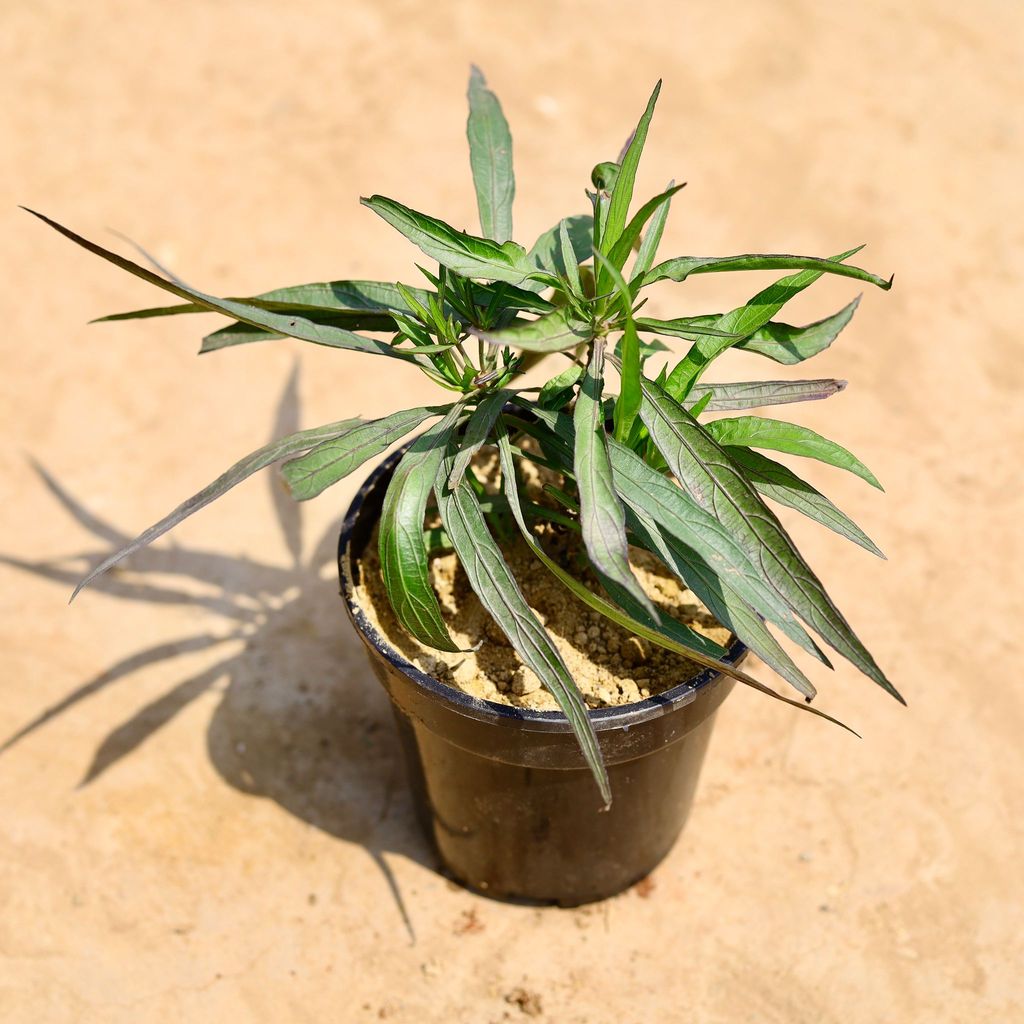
<point x="504" y="792"/>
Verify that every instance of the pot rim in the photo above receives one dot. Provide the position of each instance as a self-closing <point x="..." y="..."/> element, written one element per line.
<point x="623" y="715"/>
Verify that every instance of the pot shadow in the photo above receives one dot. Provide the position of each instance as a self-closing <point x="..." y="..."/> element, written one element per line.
<point x="300" y="719"/>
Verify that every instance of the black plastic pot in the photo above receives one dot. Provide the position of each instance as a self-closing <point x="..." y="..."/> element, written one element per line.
<point x="504" y="792"/>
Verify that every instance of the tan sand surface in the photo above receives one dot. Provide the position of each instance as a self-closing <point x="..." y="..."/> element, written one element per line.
<point x="212" y="824"/>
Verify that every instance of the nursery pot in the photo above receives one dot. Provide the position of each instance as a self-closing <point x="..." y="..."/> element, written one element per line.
<point x="504" y="793"/>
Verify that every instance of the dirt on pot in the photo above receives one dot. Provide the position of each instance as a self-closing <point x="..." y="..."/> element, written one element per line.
<point x="610" y="665"/>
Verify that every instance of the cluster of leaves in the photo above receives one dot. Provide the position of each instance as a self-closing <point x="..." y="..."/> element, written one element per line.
<point x="639" y="467"/>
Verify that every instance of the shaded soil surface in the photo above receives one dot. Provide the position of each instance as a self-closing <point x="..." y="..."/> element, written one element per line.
<point x="609" y="665"/>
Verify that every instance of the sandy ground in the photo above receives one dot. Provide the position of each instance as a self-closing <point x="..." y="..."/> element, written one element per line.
<point x="212" y="825"/>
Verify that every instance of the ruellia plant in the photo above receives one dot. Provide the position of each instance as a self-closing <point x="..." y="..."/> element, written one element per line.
<point x="641" y="465"/>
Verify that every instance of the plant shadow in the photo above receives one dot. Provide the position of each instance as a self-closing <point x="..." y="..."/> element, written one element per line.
<point x="300" y="719"/>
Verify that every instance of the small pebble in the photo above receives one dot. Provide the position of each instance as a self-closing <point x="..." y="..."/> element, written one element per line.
<point x="633" y="652"/>
<point x="524" y="681"/>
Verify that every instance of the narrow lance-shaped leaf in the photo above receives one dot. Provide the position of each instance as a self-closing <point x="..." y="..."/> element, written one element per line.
<point x="493" y="583"/>
<point x="781" y="484"/>
<point x="792" y="438"/>
<point x="468" y="255"/>
<point x="698" y="647"/>
<point x="668" y="633"/>
<point x="318" y="298"/>
<point x="684" y="327"/>
<point x="559" y="389"/>
<point x="490" y="157"/>
<point x="600" y="201"/>
<point x="780" y="342"/>
<point x="245" y="334"/>
<point x="252" y="463"/>
<point x="553" y="332"/>
<point x="645" y="489"/>
<point x="652" y="238"/>
<point x="602" y="519"/>
<point x="624" y="245"/>
<point x="403" y="555"/>
<point x="570" y="257"/>
<point x="550" y="253"/>
<point x="648" y="347"/>
<point x="700" y="405"/>
<point x="680" y="268"/>
<point x="789" y="345"/>
<point x="714" y="481"/>
<point x="333" y="459"/>
<point x="291" y="326"/>
<point x="720" y="598"/>
<point x="627" y="405"/>
<point x="741" y="322"/>
<point x="478" y="429"/>
<point x="652" y="494"/>
<point x="622" y="192"/>
<point x="755" y="394"/>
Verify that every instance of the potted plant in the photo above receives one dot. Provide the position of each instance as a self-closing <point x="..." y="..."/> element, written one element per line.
<point x="612" y="496"/>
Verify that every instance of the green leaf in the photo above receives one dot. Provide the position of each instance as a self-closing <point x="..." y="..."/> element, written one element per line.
<point x="334" y="458"/>
<point x="493" y="583"/>
<point x="622" y="192"/>
<point x="291" y="326"/>
<point x="465" y="254"/>
<point x="245" y="334"/>
<point x="700" y="405"/>
<point x="627" y="405"/>
<point x="705" y="471"/>
<point x="781" y="484"/>
<point x="789" y="345"/>
<point x="403" y="555"/>
<point x="652" y="493"/>
<point x="652" y="239"/>
<point x="741" y="322"/>
<point x="559" y="389"/>
<point x="549" y="253"/>
<point x="783" y="342"/>
<point x="570" y="258"/>
<point x="719" y="597"/>
<point x="646" y="491"/>
<point x="624" y="245"/>
<point x="553" y="332"/>
<point x="600" y="201"/>
<point x="777" y="435"/>
<point x="252" y="463"/>
<point x="602" y="519"/>
<point x="478" y="429"/>
<point x="668" y="633"/>
<point x="316" y="301"/>
<point x="683" y="327"/>
<point x="694" y="642"/>
<point x="490" y="157"/>
<point x="503" y="296"/>
<point x="755" y="394"/>
<point x="680" y="268"/>
<point x="647" y="348"/>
